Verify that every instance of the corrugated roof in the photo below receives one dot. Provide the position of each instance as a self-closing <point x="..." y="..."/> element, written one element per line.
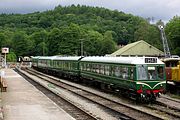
<point x="141" y="48"/>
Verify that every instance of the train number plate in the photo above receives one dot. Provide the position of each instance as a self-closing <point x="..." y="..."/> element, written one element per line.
<point x="150" y="60"/>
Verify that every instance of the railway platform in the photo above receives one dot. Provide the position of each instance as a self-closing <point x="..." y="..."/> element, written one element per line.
<point x="22" y="101"/>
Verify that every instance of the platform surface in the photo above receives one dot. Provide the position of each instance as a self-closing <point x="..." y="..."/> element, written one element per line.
<point x="23" y="101"/>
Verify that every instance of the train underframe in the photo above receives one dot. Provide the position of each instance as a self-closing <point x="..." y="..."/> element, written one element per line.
<point x="142" y="97"/>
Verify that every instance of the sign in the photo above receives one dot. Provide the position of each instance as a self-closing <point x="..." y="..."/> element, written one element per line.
<point x="5" y="50"/>
<point x="150" y="60"/>
<point x="2" y="73"/>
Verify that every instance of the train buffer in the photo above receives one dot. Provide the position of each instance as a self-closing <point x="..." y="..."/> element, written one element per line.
<point x="3" y="85"/>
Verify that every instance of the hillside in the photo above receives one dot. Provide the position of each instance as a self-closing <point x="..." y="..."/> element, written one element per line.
<point x="64" y="29"/>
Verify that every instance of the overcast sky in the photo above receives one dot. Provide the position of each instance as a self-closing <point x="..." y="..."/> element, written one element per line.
<point x="159" y="9"/>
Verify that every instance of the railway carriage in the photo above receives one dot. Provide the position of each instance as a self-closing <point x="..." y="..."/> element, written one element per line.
<point x="43" y="63"/>
<point x="139" y="77"/>
<point x="172" y="67"/>
<point x="67" y="67"/>
<point x="35" y="61"/>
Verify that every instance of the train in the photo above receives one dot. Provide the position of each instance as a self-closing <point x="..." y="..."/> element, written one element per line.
<point x="172" y="68"/>
<point x="140" y="78"/>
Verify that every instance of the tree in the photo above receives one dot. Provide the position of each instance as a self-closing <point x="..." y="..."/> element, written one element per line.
<point x="40" y="39"/>
<point x="172" y="31"/>
<point x="93" y="43"/>
<point x="108" y="45"/>
<point x="21" y="44"/>
<point x="53" y="41"/>
<point x="2" y="39"/>
<point x="148" y="33"/>
<point x="11" y="57"/>
<point x="70" y="40"/>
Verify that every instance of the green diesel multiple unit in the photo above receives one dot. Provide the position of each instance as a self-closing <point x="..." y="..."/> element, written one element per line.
<point x="142" y="78"/>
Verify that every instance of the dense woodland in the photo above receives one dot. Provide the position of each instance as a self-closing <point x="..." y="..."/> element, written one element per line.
<point x="63" y="30"/>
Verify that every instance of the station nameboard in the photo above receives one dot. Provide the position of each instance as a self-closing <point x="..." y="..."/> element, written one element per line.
<point x="5" y="50"/>
<point x="150" y="60"/>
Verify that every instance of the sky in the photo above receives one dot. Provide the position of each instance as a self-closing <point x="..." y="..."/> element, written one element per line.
<point x="158" y="9"/>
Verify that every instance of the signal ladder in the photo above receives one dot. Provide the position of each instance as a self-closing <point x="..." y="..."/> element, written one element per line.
<point x="167" y="53"/>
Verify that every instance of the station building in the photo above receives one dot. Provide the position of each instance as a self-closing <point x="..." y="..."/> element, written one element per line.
<point x="139" y="48"/>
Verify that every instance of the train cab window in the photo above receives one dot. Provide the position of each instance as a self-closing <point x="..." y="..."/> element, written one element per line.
<point x="141" y="72"/>
<point x="160" y="71"/>
<point x="151" y="73"/>
<point x="132" y="73"/>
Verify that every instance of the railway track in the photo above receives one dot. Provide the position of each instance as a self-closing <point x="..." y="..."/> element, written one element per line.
<point x="169" y="102"/>
<point x="65" y="104"/>
<point x="167" y="105"/>
<point x="124" y="110"/>
<point x="161" y="109"/>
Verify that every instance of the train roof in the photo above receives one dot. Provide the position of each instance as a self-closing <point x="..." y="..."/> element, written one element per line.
<point x="124" y="60"/>
<point x="76" y="58"/>
<point x="170" y="59"/>
<point x="58" y="57"/>
<point x="46" y="57"/>
<point x="35" y="57"/>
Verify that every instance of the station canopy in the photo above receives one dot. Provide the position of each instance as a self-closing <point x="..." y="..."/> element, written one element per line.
<point x="139" y="48"/>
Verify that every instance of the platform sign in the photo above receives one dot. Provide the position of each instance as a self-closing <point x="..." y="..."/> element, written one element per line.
<point x="5" y="50"/>
<point x="2" y="73"/>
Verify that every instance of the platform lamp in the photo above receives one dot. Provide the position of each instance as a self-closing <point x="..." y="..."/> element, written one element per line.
<point x="5" y="50"/>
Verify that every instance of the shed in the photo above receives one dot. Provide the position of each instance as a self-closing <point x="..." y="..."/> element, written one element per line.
<point x="139" y="48"/>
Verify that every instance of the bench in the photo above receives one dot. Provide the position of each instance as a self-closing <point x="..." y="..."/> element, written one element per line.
<point x="3" y="85"/>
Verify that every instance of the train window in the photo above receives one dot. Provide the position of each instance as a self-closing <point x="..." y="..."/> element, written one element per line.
<point x="131" y="73"/>
<point x="74" y="65"/>
<point x="59" y="64"/>
<point x="101" y="67"/>
<point x="117" y="71"/>
<point x="151" y="73"/>
<point x="81" y="66"/>
<point x="70" y="65"/>
<point x="84" y="66"/>
<point x="112" y="70"/>
<point x="160" y="71"/>
<point x="142" y="74"/>
<point x="124" y="72"/>
<point x="106" y="70"/>
<point x="93" y="68"/>
<point x="97" y="68"/>
<point x="87" y="67"/>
